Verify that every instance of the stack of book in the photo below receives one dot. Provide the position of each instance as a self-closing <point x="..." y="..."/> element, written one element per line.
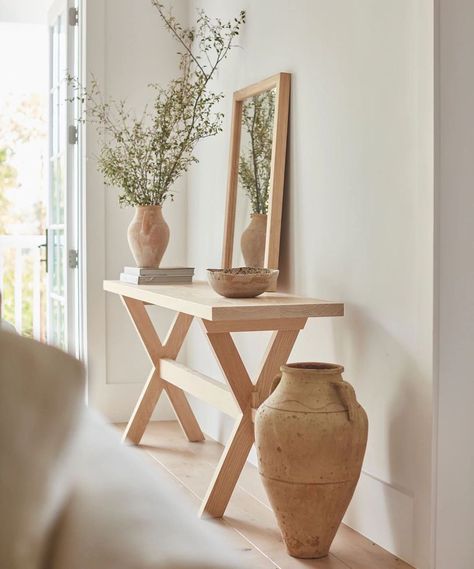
<point x="169" y="275"/>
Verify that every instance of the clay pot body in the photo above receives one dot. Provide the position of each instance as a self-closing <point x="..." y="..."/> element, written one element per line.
<point x="311" y="435"/>
<point x="148" y="236"/>
<point x="253" y="240"/>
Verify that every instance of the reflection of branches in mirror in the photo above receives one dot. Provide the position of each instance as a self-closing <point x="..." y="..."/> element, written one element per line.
<point x="255" y="162"/>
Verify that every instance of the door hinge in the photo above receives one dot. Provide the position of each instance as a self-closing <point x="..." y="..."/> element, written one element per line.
<point x="73" y="258"/>
<point x="72" y="134"/>
<point x="45" y="247"/>
<point x="73" y="16"/>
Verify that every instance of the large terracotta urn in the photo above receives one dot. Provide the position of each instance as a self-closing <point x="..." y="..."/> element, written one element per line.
<point x="311" y="435"/>
<point x="253" y="240"/>
<point x="148" y="236"/>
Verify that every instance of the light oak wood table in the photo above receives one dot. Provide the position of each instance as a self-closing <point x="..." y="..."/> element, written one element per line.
<point x="284" y="314"/>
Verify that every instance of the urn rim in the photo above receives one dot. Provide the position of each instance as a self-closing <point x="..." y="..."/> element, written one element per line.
<point x="312" y="368"/>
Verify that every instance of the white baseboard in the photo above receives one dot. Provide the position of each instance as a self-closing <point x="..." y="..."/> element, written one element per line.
<point x="384" y="514"/>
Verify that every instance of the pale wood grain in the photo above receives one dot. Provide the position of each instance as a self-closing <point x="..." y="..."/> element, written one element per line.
<point x="144" y="408"/>
<point x="251" y="519"/>
<point x="242" y="438"/>
<point x="278" y="351"/>
<point x="229" y="468"/>
<point x="198" y="299"/>
<point x="232" y="367"/>
<point x="281" y="83"/>
<point x="144" y="327"/>
<point x="184" y="413"/>
<point x="360" y="553"/>
<point x="200" y="386"/>
<point x="232" y="183"/>
<point x="167" y="436"/>
<point x="287" y="314"/>
<point x="154" y="385"/>
<point x="256" y="325"/>
<point x="259" y="87"/>
<point x="247" y="555"/>
<point x="176" y="335"/>
<point x="250" y="513"/>
<point x="277" y="176"/>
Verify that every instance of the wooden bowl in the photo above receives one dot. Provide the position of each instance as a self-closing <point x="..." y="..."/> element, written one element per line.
<point x="241" y="282"/>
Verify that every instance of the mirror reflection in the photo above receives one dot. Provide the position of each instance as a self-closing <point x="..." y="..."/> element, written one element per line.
<point x="254" y="179"/>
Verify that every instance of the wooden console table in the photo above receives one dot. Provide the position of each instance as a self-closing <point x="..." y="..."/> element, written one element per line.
<point x="284" y="314"/>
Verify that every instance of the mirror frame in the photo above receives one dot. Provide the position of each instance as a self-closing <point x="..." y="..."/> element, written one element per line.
<point x="281" y="83"/>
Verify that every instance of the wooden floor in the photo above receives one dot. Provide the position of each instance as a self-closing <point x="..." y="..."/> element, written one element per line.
<point x="249" y="520"/>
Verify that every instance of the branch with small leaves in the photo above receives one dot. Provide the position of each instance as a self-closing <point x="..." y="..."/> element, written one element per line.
<point x="145" y="155"/>
<point x="255" y="161"/>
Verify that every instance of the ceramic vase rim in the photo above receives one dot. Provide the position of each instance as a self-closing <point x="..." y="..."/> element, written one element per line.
<point x="310" y="369"/>
<point x="149" y="206"/>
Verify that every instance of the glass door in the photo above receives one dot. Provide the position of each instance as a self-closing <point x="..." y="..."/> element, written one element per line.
<point x="63" y="225"/>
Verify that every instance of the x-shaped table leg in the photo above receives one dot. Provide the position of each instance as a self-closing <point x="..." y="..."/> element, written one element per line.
<point x="248" y="396"/>
<point x="154" y="384"/>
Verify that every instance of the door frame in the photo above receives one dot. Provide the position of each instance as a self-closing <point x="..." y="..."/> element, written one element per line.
<point x="71" y="138"/>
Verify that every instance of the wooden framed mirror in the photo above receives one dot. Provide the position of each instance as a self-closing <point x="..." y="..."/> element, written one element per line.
<point x="256" y="174"/>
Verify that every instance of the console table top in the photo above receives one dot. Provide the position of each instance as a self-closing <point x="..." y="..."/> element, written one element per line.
<point x="198" y="299"/>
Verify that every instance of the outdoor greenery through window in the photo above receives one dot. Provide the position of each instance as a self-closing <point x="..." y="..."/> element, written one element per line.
<point x="23" y="174"/>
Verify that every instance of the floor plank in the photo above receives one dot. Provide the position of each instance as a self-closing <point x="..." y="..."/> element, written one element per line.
<point x="360" y="553"/>
<point x="250" y="556"/>
<point x="249" y="520"/>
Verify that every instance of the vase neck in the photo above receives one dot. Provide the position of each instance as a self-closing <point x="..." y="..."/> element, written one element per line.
<point x="149" y="211"/>
<point x="313" y="371"/>
<point x="148" y="207"/>
<point x="258" y="218"/>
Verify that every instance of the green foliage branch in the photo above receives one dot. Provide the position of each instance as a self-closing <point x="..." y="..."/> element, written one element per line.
<point x="255" y="161"/>
<point x="8" y="177"/>
<point x="21" y="121"/>
<point x="145" y="155"/>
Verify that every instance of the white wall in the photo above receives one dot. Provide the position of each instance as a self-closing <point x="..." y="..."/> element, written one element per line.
<point x="358" y="225"/>
<point x="127" y="48"/>
<point x="25" y="11"/>
<point x="455" y="285"/>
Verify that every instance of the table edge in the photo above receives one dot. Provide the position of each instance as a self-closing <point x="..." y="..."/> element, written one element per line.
<point x="323" y="309"/>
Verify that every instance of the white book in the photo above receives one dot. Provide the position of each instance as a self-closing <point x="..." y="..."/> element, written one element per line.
<point x="162" y="271"/>
<point x="150" y="279"/>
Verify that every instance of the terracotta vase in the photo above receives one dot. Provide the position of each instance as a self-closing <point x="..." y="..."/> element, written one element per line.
<point x="311" y="435"/>
<point x="253" y="239"/>
<point x="148" y="236"/>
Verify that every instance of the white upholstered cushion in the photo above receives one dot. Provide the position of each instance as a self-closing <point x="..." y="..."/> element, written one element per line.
<point x="71" y="495"/>
<point x="123" y="514"/>
<point x="40" y="400"/>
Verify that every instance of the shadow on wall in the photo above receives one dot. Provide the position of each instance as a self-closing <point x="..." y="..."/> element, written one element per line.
<point x="408" y="414"/>
<point x="394" y="389"/>
<point x="286" y="261"/>
<point x="377" y="363"/>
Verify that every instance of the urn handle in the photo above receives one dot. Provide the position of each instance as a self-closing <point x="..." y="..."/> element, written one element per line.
<point x="348" y="396"/>
<point x="275" y="381"/>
